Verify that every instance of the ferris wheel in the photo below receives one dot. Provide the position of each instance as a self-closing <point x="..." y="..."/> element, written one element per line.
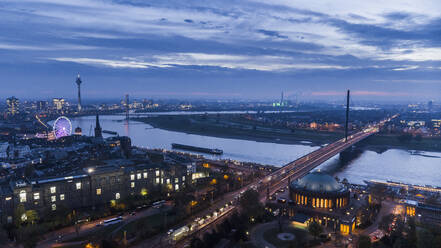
<point x="62" y="127"/>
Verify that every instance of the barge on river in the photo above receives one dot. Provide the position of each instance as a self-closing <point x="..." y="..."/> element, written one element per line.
<point x="197" y="149"/>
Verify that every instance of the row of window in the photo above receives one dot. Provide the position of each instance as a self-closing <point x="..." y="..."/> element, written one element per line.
<point x="53" y="190"/>
<point x="78" y="186"/>
<point x="321" y="202"/>
<point x="144" y="175"/>
<point x="22" y="196"/>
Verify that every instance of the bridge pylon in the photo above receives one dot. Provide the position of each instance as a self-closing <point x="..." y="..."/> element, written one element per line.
<point x="347" y="117"/>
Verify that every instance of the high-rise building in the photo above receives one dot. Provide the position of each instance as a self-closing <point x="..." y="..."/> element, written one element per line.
<point x="59" y="103"/>
<point x="13" y="105"/>
<point x="430" y="106"/>
<point x="127" y="105"/>
<point x="42" y="105"/>
<point x="98" y="130"/>
<point x="79" y="92"/>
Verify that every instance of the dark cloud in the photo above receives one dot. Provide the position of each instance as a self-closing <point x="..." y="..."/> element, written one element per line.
<point x="231" y="30"/>
<point x="398" y="16"/>
<point x="272" y="33"/>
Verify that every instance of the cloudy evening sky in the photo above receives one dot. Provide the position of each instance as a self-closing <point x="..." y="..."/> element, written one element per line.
<point x="246" y="49"/>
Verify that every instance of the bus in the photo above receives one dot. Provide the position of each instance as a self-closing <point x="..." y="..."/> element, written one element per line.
<point x="110" y="221"/>
<point x="180" y="233"/>
<point x="158" y="204"/>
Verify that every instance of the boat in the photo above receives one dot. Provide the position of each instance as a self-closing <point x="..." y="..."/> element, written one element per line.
<point x="110" y="132"/>
<point x="197" y="149"/>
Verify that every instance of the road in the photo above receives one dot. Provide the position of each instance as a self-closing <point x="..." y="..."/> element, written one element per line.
<point x="52" y="239"/>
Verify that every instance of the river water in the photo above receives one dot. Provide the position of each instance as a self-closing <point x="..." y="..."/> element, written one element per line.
<point x="423" y="168"/>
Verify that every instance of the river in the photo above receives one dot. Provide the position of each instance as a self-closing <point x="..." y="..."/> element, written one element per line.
<point x="423" y="168"/>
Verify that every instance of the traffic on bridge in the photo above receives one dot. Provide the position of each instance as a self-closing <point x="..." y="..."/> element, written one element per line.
<point x="280" y="178"/>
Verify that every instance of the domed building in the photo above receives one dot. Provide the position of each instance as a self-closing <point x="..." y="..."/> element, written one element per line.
<point x="320" y="197"/>
<point x="319" y="190"/>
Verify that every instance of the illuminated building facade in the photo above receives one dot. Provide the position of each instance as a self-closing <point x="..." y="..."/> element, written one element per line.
<point x="424" y="213"/>
<point x="319" y="190"/>
<point x="13" y="105"/>
<point x="58" y="103"/>
<point x="90" y="187"/>
<point x="320" y="197"/>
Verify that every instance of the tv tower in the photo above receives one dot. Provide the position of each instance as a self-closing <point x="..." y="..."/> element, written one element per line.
<point x="79" y="92"/>
<point x="127" y="106"/>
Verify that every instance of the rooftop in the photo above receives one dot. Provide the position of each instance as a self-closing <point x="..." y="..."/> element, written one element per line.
<point x="318" y="181"/>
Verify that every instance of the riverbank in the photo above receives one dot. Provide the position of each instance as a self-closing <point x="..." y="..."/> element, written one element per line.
<point x="201" y="125"/>
<point x="198" y="125"/>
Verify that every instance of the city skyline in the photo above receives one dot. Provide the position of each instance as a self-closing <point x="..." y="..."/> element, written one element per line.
<point x="217" y="50"/>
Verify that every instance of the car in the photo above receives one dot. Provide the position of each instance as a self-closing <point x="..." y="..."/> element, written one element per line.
<point x="281" y="200"/>
<point x="133" y="213"/>
<point x="170" y="232"/>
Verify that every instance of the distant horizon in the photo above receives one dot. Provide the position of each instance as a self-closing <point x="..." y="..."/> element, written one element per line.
<point x="315" y="100"/>
<point x="251" y="49"/>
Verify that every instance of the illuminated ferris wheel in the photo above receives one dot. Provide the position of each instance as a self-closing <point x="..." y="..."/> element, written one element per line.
<point x="62" y="127"/>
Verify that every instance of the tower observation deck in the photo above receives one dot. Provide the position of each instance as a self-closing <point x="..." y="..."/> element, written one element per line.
<point x="79" y="92"/>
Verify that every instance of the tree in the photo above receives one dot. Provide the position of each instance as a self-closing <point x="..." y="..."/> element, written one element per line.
<point x="385" y="223"/>
<point x="32" y="216"/>
<point x="250" y="203"/>
<point x="315" y="229"/>
<point x="412" y="233"/>
<point x="196" y="243"/>
<point x="364" y="242"/>
<point x="378" y="192"/>
<point x="425" y="239"/>
<point x="19" y="215"/>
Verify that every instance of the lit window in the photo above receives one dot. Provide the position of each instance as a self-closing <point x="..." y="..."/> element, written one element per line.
<point x="54" y="207"/>
<point x="132" y="177"/>
<point x="176" y="186"/>
<point x="117" y="196"/>
<point x="36" y="196"/>
<point x="157" y="173"/>
<point x="53" y="198"/>
<point x="138" y="176"/>
<point x="162" y="180"/>
<point x="145" y="174"/>
<point x="168" y="181"/>
<point x="132" y="185"/>
<point x="176" y="180"/>
<point x="183" y="178"/>
<point x="98" y="191"/>
<point x="157" y="180"/>
<point x="22" y="196"/>
<point x="78" y="185"/>
<point x="8" y="198"/>
<point x="62" y="197"/>
<point x="53" y="190"/>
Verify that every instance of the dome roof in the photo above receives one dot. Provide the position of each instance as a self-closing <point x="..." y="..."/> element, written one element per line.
<point x="318" y="182"/>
